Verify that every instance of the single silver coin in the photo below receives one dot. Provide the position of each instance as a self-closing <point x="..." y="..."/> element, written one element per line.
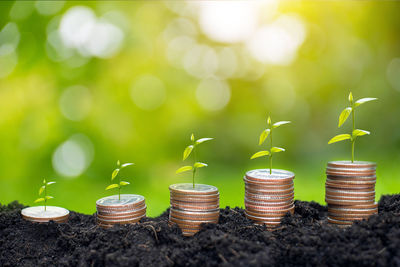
<point x="126" y="199"/>
<point x="198" y="188"/>
<point x="264" y="174"/>
<point x="39" y="213"/>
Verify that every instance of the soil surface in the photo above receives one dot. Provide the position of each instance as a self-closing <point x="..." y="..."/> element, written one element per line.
<point x="304" y="239"/>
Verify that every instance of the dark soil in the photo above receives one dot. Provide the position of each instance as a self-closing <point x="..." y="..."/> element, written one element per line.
<point x="304" y="239"/>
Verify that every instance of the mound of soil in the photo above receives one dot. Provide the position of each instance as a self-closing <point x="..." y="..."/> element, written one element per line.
<point x="304" y="239"/>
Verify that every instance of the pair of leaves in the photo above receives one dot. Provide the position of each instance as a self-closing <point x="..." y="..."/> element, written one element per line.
<point x="341" y="137"/>
<point x="267" y="153"/>
<point x="41" y="199"/>
<point x="189" y="168"/>
<point x="43" y="187"/>
<point x="189" y="149"/>
<point x="122" y="183"/>
<point x="264" y="135"/>
<point x="116" y="171"/>
<point x="347" y="111"/>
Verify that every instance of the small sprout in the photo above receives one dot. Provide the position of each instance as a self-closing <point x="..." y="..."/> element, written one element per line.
<point x="263" y="136"/>
<point x="115" y="175"/>
<point x="342" y="119"/>
<point x="43" y="189"/>
<point x="186" y="153"/>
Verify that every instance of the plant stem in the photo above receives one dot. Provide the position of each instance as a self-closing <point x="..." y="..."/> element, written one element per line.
<point x="119" y="188"/>
<point x="194" y="158"/>
<point x="45" y="197"/>
<point x="352" y="140"/>
<point x="270" y="152"/>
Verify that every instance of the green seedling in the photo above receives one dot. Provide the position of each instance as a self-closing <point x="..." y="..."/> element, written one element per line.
<point x="115" y="175"/>
<point x="43" y="189"/>
<point x="343" y="117"/>
<point x="188" y="150"/>
<point x="263" y="136"/>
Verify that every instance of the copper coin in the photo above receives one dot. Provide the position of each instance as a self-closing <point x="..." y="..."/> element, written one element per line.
<point x="269" y="210"/>
<point x="268" y="192"/>
<point x="121" y="217"/>
<point x="193" y="207"/>
<point x="360" y="187"/>
<point x="106" y="212"/>
<point x="194" y="197"/>
<point x="39" y="214"/>
<point x="343" y="183"/>
<point x="199" y="189"/>
<point x="356" y="206"/>
<point x="264" y="176"/>
<point x="197" y="202"/>
<point x="333" y="221"/>
<point x="349" y="164"/>
<point x="348" y="202"/>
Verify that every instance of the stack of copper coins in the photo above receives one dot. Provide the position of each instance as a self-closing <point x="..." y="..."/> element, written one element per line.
<point x="268" y="196"/>
<point x="192" y="206"/>
<point x="125" y="209"/>
<point x="43" y="214"/>
<point x="350" y="191"/>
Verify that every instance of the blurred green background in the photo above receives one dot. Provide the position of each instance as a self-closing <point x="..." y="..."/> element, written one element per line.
<point x="83" y="84"/>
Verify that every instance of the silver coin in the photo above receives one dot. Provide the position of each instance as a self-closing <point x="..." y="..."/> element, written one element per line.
<point x="355" y="164"/>
<point x="265" y="175"/>
<point x="126" y="199"/>
<point x="198" y="188"/>
<point x="39" y="212"/>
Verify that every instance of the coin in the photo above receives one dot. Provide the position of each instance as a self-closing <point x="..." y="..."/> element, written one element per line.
<point x="264" y="176"/>
<point x="190" y="207"/>
<point x="350" y="191"/>
<point x="39" y="214"/>
<point x="126" y="209"/>
<point x="198" y="189"/>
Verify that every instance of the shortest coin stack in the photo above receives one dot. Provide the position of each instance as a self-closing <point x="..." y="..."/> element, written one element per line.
<point x="112" y="210"/>
<point x="268" y="197"/>
<point x="42" y="215"/>
<point x="350" y="191"/>
<point x="192" y="206"/>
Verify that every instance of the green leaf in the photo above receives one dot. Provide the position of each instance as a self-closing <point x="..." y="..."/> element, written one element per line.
<point x="41" y="189"/>
<point x="351" y="97"/>
<point x="260" y="154"/>
<point x="122" y="183"/>
<point x="184" y="169"/>
<point x="44" y="180"/>
<point x="339" y="138"/>
<point x="111" y="186"/>
<point x="48" y="197"/>
<point x="269" y="120"/>
<point x="187" y="152"/>
<point x="344" y="115"/>
<point x="276" y="150"/>
<point x="200" y="165"/>
<point x="201" y="140"/>
<point x="192" y="138"/>
<point x="358" y="132"/>
<point x="118" y="163"/>
<point x="263" y="136"/>
<point x="279" y="123"/>
<point x="49" y="183"/>
<point x="114" y="174"/>
<point x="39" y="200"/>
<point x="126" y="165"/>
<point x="364" y="100"/>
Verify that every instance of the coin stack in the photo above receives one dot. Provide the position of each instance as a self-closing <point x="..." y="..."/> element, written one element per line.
<point x="114" y="210"/>
<point x="350" y="191"/>
<point x="41" y="214"/>
<point x="190" y="207"/>
<point x="268" y="197"/>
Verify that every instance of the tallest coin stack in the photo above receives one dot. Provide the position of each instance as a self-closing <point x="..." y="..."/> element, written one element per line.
<point x="350" y="191"/>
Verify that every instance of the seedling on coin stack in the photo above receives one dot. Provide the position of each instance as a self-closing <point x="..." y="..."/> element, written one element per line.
<point x="350" y="185"/>
<point x="115" y="175"/>
<point x="268" y="192"/>
<point x="193" y="204"/>
<point x="121" y="208"/>
<point x="45" y="213"/>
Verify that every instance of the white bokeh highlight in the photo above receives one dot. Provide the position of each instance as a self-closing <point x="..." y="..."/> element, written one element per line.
<point x="213" y="94"/>
<point x="74" y="156"/>
<point x="76" y="102"/>
<point x="148" y="92"/>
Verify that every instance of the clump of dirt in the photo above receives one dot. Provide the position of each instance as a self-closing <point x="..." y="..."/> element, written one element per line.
<point x="305" y="238"/>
